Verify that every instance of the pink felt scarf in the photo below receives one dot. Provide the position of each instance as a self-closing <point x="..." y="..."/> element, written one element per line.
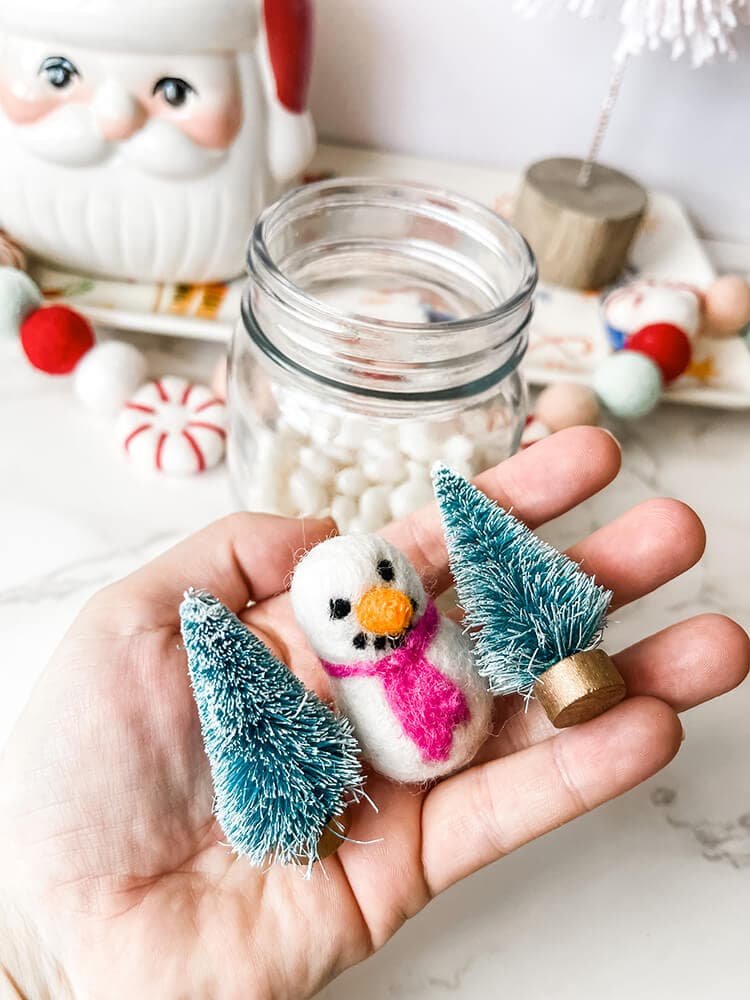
<point x="427" y="704"/>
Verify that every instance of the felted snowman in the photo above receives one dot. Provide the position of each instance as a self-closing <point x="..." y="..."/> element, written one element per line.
<point x="140" y="140"/>
<point x="404" y="675"/>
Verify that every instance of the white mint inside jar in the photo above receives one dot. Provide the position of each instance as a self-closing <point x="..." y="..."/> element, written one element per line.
<point x="382" y="329"/>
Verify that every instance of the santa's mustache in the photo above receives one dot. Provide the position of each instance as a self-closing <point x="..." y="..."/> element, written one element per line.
<point x="71" y="136"/>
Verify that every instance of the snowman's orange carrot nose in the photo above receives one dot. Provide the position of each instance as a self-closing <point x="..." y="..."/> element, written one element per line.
<point x="384" y="611"/>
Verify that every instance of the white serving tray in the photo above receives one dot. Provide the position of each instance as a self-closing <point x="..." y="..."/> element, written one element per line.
<point x="568" y="338"/>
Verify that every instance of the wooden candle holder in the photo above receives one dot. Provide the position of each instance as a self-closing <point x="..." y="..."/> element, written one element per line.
<point x="580" y="688"/>
<point x="580" y="234"/>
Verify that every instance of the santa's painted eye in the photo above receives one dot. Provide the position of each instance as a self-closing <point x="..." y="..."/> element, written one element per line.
<point x="174" y="90"/>
<point x="386" y="571"/>
<point x="59" y="71"/>
<point x="339" y="608"/>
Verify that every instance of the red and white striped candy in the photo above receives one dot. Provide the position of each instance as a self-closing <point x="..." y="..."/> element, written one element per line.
<point x="173" y="426"/>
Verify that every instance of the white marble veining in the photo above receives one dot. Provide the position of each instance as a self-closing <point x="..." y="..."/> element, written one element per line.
<point x="646" y="897"/>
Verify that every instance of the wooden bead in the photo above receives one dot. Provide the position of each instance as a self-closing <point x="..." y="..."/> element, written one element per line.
<point x="567" y="404"/>
<point x="580" y="688"/>
<point x="727" y="306"/>
<point x="580" y="235"/>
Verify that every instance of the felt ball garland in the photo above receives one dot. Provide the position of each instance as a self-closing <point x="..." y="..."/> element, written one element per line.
<point x="180" y="427"/>
<point x="666" y="344"/>
<point x="652" y="326"/>
<point x="55" y="338"/>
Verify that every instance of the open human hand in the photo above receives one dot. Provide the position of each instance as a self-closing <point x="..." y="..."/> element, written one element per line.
<point x="116" y="880"/>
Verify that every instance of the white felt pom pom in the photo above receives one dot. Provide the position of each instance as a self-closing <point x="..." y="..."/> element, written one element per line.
<point x="107" y="376"/>
<point x="403" y="675"/>
<point x="173" y="426"/>
<point x="19" y="296"/>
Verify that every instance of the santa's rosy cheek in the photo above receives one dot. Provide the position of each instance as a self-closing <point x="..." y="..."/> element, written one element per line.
<point x="212" y="131"/>
<point x="27" y="110"/>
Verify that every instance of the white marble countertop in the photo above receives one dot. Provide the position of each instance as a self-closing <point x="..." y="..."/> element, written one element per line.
<point x="646" y="897"/>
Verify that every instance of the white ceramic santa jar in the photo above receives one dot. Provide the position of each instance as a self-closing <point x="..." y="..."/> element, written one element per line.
<point x="140" y="140"/>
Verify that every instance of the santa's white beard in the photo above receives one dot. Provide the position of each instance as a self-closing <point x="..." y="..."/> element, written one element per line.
<point x="112" y="217"/>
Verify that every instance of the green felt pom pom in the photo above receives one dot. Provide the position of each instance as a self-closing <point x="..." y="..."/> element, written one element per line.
<point x="629" y="384"/>
<point x="19" y="296"/>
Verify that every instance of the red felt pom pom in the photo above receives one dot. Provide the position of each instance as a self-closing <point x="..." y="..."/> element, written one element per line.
<point x="665" y="344"/>
<point x="55" y="339"/>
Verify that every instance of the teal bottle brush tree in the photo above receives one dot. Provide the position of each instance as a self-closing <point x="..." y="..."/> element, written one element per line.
<point x="284" y="767"/>
<point x="537" y="618"/>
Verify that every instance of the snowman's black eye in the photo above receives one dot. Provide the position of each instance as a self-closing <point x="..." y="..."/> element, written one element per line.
<point x="386" y="570"/>
<point x="339" y="608"/>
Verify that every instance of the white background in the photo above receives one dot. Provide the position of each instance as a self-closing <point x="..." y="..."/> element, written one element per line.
<point x="469" y="80"/>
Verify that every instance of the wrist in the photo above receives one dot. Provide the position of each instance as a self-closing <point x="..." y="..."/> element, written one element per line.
<point x="28" y="970"/>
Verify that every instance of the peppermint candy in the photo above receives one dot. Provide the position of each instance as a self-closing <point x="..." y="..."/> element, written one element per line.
<point x="173" y="426"/>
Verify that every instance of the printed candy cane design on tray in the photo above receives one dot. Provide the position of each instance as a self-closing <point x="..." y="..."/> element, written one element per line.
<point x="173" y="426"/>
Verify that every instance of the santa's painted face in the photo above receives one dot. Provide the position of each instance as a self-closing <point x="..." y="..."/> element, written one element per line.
<point x="173" y="116"/>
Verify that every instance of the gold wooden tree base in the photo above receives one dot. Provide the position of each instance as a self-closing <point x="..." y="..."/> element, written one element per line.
<point x="333" y="836"/>
<point x="579" y="688"/>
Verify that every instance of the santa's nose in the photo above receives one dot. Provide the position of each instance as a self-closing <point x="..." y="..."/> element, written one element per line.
<point x="384" y="611"/>
<point x="118" y="112"/>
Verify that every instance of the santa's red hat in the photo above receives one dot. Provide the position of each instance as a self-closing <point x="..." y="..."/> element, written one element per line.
<point x="178" y="26"/>
<point x="289" y="32"/>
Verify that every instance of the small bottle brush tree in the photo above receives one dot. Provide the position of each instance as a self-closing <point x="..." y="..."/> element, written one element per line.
<point x="284" y="767"/>
<point x="537" y="617"/>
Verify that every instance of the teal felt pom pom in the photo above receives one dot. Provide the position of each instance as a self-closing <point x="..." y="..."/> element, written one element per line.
<point x="531" y="605"/>
<point x="284" y="766"/>
<point x="19" y="296"/>
<point x="629" y="384"/>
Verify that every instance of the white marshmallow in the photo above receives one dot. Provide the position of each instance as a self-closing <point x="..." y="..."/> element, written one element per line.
<point x="458" y="448"/>
<point x="411" y="495"/>
<point x="351" y="482"/>
<point x="319" y="465"/>
<point x="420" y="441"/>
<point x="385" y="470"/>
<point x="308" y="496"/>
<point x="344" y="512"/>
<point x="374" y="508"/>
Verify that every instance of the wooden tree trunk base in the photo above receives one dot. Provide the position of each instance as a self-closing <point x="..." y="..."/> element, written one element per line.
<point x="580" y="688"/>
<point x="580" y="235"/>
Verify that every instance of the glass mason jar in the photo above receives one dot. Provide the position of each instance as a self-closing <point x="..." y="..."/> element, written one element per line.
<point x="382" y="329"/>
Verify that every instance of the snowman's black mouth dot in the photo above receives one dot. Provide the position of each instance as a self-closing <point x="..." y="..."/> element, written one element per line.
<point x="380" y="642"/>
<point x="359" y="641"/>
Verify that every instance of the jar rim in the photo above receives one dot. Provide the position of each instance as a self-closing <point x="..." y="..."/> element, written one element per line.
<point x="272" y="279"/>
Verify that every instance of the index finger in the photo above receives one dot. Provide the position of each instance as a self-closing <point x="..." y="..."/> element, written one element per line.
<point x="241" y="558"/>
<point x="538" y="484"/>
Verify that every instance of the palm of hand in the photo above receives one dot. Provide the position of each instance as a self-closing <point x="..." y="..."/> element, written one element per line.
<point x="115" y="853"/>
